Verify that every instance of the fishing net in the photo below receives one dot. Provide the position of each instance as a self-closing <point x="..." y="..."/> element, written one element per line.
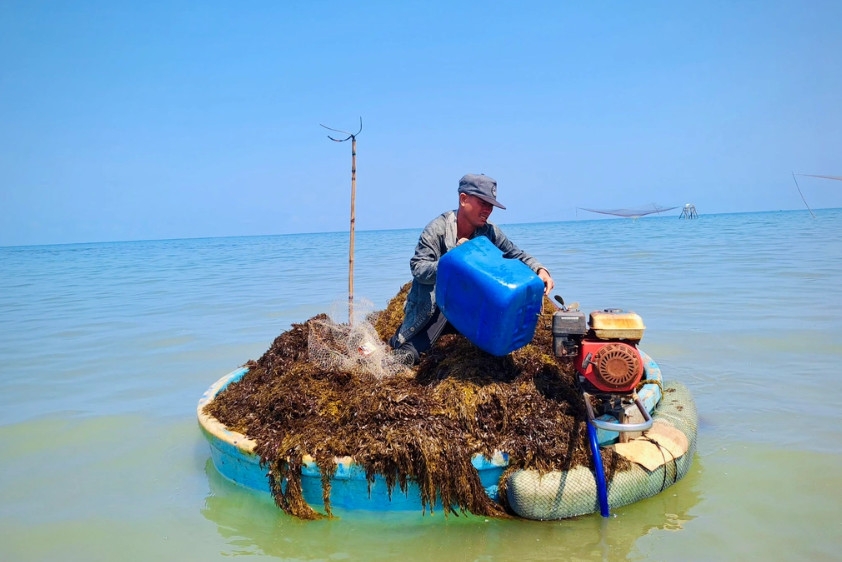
<point x="631" y="213"/>
<point x="353" y="347"/>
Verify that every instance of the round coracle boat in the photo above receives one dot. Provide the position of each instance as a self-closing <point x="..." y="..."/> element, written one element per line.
<point x="660" y="454"/>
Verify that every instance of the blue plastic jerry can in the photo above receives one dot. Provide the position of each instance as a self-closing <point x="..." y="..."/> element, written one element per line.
<point x="493" y="301"/>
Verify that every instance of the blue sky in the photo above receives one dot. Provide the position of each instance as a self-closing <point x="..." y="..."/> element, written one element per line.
<point x="148" y="120"/>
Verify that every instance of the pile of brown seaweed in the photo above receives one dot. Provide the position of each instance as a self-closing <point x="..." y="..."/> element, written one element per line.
<point x="424" y="424"/>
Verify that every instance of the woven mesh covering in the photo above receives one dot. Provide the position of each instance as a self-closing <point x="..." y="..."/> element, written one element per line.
<point x="558" y="495"/>
<point x="352" y="347"/>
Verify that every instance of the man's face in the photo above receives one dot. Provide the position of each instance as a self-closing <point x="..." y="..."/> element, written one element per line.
<point x="475" y="209"/>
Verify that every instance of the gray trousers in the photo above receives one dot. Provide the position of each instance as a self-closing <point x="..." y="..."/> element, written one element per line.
<point x="426" y="336"/>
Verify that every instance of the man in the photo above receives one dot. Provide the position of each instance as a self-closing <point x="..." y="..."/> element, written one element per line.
<point x="423" y="320"/>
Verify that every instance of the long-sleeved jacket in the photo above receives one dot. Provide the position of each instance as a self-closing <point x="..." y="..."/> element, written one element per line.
<point x="436" y="240"/>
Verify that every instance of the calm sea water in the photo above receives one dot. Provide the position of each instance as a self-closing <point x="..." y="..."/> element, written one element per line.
<point x="106" y="349"/>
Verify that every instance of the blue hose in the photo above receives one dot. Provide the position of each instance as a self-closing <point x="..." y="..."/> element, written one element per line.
<point x="601" y="487"/>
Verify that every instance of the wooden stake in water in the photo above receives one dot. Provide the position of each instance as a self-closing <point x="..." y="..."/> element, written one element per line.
<point x="837" y="178"/>
<point x="353" y="138"/>
<point x="802" y="196"/>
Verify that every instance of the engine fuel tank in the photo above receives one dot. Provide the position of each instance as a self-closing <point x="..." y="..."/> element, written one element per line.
<point x="616" y="324"/>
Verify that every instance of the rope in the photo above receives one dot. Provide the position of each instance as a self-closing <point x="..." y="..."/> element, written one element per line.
<point x="672" y="459"/>
<point x="644" y="382"/>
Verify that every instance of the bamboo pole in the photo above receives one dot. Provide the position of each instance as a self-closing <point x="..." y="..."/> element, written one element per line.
<point x="353" y="223"/>
<point x="353" y="138"/>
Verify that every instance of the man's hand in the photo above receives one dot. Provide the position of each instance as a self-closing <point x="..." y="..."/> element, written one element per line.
<point x="547" y="279"/>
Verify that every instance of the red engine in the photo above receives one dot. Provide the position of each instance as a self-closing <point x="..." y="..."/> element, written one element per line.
<point x="604" y="349"/>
